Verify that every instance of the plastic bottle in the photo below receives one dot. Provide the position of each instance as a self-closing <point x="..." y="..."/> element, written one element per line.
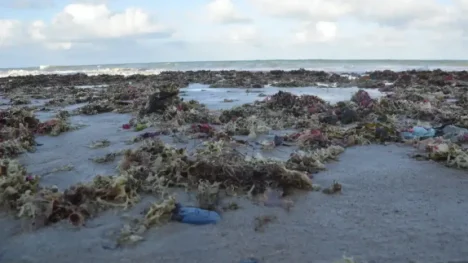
<point x="195" y="215"/>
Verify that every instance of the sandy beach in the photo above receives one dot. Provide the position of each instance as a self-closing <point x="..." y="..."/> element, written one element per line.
<point x="392" y="207"/>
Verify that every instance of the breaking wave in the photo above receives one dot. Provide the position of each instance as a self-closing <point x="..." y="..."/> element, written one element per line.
<point x="338" y="66"/>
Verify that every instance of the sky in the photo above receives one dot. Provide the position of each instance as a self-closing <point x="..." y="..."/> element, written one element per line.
<point x="77" y="32"/>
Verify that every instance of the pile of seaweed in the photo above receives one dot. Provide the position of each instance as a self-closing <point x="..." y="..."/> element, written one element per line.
<point x="155" y="167"/>
<point x="17" y="127"/>
<point x="321" y="132"/>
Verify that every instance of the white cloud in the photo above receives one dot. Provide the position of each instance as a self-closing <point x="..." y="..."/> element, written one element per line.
<point x="390" y="13"/>
<point x="322" y="31"/>
<point x="11" y="32"/>
<point x="81" y="23"/>
<point x="224" y="12"/>
<point x="245" y="34"/>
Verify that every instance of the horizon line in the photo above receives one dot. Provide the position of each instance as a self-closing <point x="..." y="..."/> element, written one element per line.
<point x="242" y="60"/>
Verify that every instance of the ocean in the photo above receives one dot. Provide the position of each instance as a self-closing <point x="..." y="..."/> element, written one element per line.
<point x="339" y="66"/>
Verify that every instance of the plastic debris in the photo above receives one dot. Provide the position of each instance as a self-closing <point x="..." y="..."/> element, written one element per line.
<point x="194" y="215"/>
<point x="140" y="127"/>
<point x="418" y="132"/>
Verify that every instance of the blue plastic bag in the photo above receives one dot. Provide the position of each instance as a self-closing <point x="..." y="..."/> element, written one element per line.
<point x="195" y="215"/>
<point x="419" y="132"/>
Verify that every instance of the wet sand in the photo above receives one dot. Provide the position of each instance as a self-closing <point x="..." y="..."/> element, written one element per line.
<point x="392" y="209"/>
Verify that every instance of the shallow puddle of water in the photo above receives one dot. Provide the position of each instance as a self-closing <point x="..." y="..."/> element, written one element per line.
<point x="214" y="97"/>
<point x="72" y="148"/>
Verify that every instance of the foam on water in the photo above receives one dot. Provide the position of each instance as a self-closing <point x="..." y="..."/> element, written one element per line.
<point x="339" y="66"/>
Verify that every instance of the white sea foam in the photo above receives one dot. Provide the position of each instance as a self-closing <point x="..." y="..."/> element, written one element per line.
<point x="338" y="66"/>
<point x="89" y="72"/>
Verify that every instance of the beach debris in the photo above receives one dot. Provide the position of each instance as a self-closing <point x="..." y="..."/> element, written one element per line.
<point x="15" y="184"/>
<point x="313" y="161"/>
<point x="208" y="195"/>
<point x="163" y="98"/>
<point x="109" y="157"/>
<point x="126" y="126"/>
<point x="333" y="189"/>
<point x="148" y="135"/>
<point x="322" y="131"/>
<point x="418" y="132"/>
<point x="231" y="206"/>
<point x="19" y="100"/>
<point x="140" y="127"/>
<point x="441" y="150"/>
<point x="454" y="133"/>
<point x="17" y="127"/>
<point x="261" y="222"/>
<point x="54" y="127"/>
<point x="100" y="144"/>
<point x="65" y="168"/>
<point x="97" y="107"/>
<point x="161" y="212"/>
<point x="195" y="215"/>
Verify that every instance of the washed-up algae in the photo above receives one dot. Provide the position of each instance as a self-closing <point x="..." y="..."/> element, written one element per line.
<point x="324" y="131"/>
<point x="155" y="161"/>
<point x="17" y="127"/>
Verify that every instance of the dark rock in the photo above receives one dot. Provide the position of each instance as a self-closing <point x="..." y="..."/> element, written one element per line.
<point x="159" y="101"/>
<point x="330" y="119"/>
<point x="278" y="140"/>
<point x="256" y="86"/>
<point x="348" y="116"/>
<point x="404" y="81"/>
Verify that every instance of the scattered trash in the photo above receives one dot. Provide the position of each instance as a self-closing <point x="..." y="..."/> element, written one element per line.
<point x="220" y="164"/>
<point x="147" y="135"/>
<point x="455" y="134"/>
<point x="335" y="188"/>
<point x="64" y="168"/>
<point x="140" y="127"/>
<point x="109" y="157"/>
<point x="100" y="144"/>
<point x="194" y="215"/>
<point x="418" y="132"/>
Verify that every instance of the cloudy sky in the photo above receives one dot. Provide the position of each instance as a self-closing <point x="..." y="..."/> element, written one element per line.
<point x="69" y="32"/>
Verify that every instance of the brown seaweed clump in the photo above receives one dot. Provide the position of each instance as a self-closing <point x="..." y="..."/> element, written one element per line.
<point x="445" y="151"/>
<point x="15" y="184"/>
<point x="313" y="161"/>
<point x="54" y="127"/>
<point x="96" y="108"/>
<point x="161" y="166"/>
<point x="48" y="205"/>
<point x="16" y="132"/>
